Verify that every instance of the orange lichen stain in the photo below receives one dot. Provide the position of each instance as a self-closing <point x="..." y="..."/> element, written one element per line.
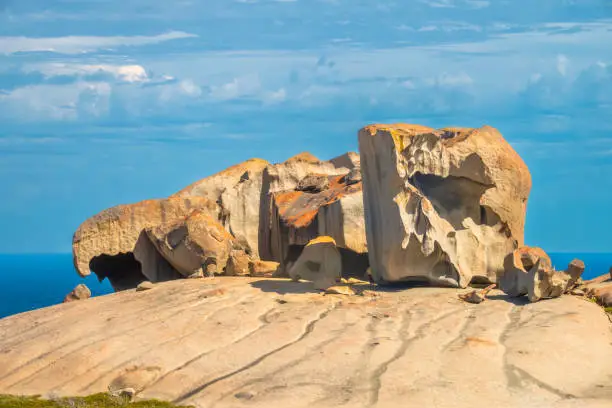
<point x="322" y="240"/>
<point x="298" y="209"/>
<point x="478" y="340"/>
<point x="304" y="157"/>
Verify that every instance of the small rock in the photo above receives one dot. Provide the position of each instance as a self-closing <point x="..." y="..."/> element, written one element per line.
<point x="238" y="263"/>
<point x="80" y="292"/>
<point x="145" y="285"/>
<point x="476" y="296"/>
<point x="574" y="270"/>
<point x="577" y="292"/>
<point x="340" y="290"/>
<point x="263" y="268"/>
<point x="353" y="176"/>
<point x="127" y="393"/>
<point x="313" y="183"/>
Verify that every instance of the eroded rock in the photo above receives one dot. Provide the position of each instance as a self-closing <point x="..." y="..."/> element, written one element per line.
<point x="146" y="285"/>
<point x="238" y="263"/>
<point x="197" y="242"/>
<point x="298" y="217"/>
<point x="111" y="243"/>
<point x="237" y="190"/>
<point x="445" y="206"/>
<point x="260" y="269"/>
<point x="529" y="271"/>
<point x="80" y="292"/>
<point x="319" y="262"/>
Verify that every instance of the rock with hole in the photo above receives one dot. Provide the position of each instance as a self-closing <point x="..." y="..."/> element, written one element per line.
<point x="443" y="206"/>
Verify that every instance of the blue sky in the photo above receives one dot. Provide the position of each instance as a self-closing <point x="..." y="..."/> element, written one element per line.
<point x="104" y="102"/>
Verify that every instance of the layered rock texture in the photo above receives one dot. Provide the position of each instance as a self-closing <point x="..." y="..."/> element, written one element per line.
<point x="445" y="206"/>
<point x="229" y="223"/>
<point x="244" y="342"/>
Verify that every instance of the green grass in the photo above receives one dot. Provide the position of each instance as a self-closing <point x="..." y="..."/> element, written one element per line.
<point x="101" y="400"/>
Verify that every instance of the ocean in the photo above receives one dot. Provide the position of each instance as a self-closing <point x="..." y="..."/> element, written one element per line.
<point x="30" y="281"/>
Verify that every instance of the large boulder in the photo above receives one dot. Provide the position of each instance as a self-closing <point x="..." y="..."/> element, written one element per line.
<point x="445" y="206"/>
<point x="113" y="244"/>
<point x="237" y="190"/>
<point x="300" y="216"/>
<point x="529" y="271"/>
<point x="286" y="177"/>
<point x="196" y="244"/>
<point x="320" y="262"/>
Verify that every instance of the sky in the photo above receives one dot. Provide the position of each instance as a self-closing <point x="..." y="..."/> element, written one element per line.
<point x="106" y="102"/>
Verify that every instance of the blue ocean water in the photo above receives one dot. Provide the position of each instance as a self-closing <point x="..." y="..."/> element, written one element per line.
<point x="29" y="282"/>
<point x="32" y="281"/>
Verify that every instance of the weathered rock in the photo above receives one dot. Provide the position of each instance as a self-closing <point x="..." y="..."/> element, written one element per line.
<point x="237" y="190"/>
<point x="445" y="206"/>
<point x="476" y="296"/>
<point x="600" y="288"/>
<point x="197" y="242"/>
<point x="107" y="242"/>
<point x="238" y="263"/>
<point x="353" y="176"/>
<point x="284" y="178"/>
<point x="319" y="262"/>
<point x="80" y="292"/>
<point x="299" y="217"/>
<point x="313" y="183"/>
<point x="575" y="269"/>
<point x="340" y="290"/>
<point x="311" y="351"/>
<point x="529" y="271"/>
<point x="348" y="160"/>
<point x="259" y="268"/>
<point x="146" y="285"/>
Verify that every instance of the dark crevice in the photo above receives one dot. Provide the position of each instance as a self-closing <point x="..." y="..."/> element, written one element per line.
<point x="122" y="270"/>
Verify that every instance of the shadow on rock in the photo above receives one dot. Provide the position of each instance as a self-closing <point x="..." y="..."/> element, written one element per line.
<point x="518" y="301"/>
<point x="283" y="287"/>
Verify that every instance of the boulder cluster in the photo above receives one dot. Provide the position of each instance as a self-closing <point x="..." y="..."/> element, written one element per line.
<point x="442" y="206"/>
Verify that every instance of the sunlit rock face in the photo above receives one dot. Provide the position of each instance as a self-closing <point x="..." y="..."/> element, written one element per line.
<point x="444" y="206"/>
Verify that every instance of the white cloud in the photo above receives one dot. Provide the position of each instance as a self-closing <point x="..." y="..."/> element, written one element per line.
<point x="82" y="44"/>
<point x="275" y="97"/>
<point x="562" y="62"/>
<point x="123" y="73"/>
<point x="239" y="87"/>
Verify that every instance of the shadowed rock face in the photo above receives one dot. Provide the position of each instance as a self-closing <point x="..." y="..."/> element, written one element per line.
<point x="166" y="239"/>
<point x="300" y="216"/>
<point x="110" y="242"/>
<point x="445" y="206"/>
<point x="197" y="244"/>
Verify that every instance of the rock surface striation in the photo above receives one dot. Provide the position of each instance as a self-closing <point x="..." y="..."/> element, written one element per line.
<point x="245" y="342"/>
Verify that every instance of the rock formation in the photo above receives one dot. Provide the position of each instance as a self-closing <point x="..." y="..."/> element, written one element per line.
<point x="237" y="191"/>
<point x="529" y="271"/>
<point x="335" y="211"/>
<point x="113" y="243"/>
<point x="196" y="244"/>
<point x="445" y="206"/>
<point x="80" y="292"/>
<point x="171" y="238"/>
<point x="320" y="262"/>
<point x="600" y="289"/>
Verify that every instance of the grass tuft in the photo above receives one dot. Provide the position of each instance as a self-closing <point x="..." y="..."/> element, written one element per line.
<point x="102" y="400"/>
